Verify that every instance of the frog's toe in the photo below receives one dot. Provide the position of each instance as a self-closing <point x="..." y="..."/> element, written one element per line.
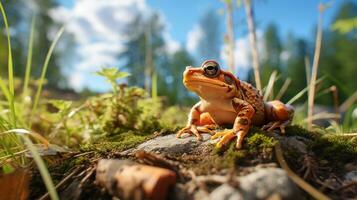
<point x="227" y="137"/>
<point x="183" y="131"/>
<point x="275" y="125"/>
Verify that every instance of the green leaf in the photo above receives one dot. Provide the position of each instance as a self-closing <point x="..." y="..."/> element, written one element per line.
<point x="112" y="74"/>
<point x="61" y="105"/>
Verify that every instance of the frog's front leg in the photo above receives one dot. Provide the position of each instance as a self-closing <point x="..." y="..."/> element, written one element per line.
<point x="198" y="123"/>
<point x="242" y="123"/>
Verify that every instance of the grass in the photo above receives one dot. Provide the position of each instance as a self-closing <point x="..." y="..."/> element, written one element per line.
<point x="29" y="59"/>
<point x="10" y="92"/>
<point x="15" y="139"/>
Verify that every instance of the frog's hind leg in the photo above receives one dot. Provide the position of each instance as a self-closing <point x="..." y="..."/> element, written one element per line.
<point x="278" y="115"/>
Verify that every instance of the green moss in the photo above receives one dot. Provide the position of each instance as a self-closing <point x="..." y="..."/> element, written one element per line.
<point x="335" y="149"/>
<point x="331" y="147"/>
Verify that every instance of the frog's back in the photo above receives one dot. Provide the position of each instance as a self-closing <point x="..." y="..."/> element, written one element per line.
<point x="254" y="98"/>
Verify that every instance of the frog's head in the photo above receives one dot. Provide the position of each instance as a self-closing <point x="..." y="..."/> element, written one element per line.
<point x="210" y="82"/>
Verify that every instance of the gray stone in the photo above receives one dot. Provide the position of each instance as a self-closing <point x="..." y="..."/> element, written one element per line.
<point x="267" y="182"/>
<point x="226" y="192"/>
<point x="351" y="176"/>
<point x="170" y="144"/>
<point x="260" y="184"/>
<point x="294" y="142"/>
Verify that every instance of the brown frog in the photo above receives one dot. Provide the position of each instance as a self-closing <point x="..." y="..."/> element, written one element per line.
<point x="226" y="100"/>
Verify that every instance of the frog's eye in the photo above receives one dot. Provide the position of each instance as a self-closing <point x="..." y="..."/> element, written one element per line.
<point x="228" y="79"/>
<point x="211" y="69"/>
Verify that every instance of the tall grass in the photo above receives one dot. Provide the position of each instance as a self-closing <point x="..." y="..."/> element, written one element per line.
<point x="29" y="59"/>
<point x="44" y="70"/>
<point x="10" y="92"/>
<point x="13" y="139"/>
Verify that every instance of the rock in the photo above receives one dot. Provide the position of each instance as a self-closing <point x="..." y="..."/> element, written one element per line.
<point x="170" y="144"/>
<point x="294" y="142"/>
<point x="226" y="192"/>
<point x="262" y="184"/>
<point x="266" y="182"/>
<point x="128" y="180"/>
<point x="351" y="176"/>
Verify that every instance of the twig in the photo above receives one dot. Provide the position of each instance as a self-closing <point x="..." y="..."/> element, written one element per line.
<point x="343" y="187"/>
<point x="62" y="182"/>
<point x="299" y="181"/>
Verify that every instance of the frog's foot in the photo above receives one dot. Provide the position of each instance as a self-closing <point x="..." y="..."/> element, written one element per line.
<point x="197" y="130"/>
<point x="227" y="136"/>
<point x="276" y="124"/>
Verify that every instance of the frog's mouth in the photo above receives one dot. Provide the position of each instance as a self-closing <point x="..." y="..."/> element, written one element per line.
<point x="194" y="84"/>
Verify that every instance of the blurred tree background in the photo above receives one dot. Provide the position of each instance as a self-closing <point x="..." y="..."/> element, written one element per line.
<point x="145" y="56"/>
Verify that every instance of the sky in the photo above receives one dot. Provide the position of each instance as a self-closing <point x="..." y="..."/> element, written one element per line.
<point x="98" y="28"/>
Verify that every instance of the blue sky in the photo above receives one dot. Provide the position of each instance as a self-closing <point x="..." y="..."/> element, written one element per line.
<point x="97" y="26"/>
<point x="297" y="16"/>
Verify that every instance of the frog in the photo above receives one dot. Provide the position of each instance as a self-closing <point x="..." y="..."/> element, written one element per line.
<point x="227" y="100"/>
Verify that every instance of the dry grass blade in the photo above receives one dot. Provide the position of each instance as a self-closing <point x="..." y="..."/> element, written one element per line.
<point x="323" y="115"/>
<point x="283" y="89"/>
<point x="315" y="65"/>
<point x="253" y="42"/>
<point x="302" y="92"/>
<point x="299" y="181"/>
<point x="31" y="133"/>
<point x="270" y="86"/>
<point x="349" y="102"/>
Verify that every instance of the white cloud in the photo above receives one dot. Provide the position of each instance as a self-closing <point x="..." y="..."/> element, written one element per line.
<point x="193" y="38"/>
<point x="99" y="30"/>
<point x="171" y="45"/>
<point x="242" y="53"/>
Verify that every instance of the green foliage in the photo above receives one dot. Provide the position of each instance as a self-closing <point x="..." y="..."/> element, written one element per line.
<point x="112" y="75"/>
<point x="345" y="25"/>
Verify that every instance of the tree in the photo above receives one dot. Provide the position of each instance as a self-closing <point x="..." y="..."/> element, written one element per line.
<point x="338" y="58"/>
<point x="136" y="48"/>
<point x="210" y="42"/>
<point x="19" y="16"/>
<point x="272" y="51"/>
<point x="295" y="66"/>
<point x="170" y="78"/>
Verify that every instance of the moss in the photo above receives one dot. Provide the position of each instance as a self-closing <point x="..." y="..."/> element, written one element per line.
<point x="335" y="149"/>
<point x="296" y="130"/>
<point x="257" y="147"/>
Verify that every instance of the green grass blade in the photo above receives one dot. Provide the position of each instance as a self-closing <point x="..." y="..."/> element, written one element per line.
<point x="29" y="58"/>
<point x="10" y="68"/>
<point x="44" y="69"/>
<point x="154" y="86"/>
<point x="5" y="90"/>
<point x="42" y="168"/>
<point x="298" y="95"/>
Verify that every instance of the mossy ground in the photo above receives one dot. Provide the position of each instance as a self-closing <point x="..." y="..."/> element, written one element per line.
<point x="258" y="149"/>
